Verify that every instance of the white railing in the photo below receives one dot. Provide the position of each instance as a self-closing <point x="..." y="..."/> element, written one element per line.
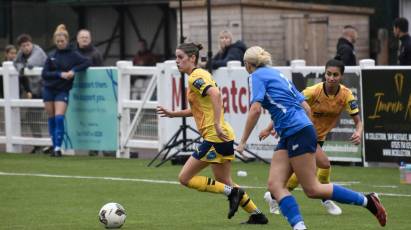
<point x="18" y="113"/>
<point x="128" y="124"/>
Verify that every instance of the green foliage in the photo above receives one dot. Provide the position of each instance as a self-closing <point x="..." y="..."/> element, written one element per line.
<point x="34" y="202"/>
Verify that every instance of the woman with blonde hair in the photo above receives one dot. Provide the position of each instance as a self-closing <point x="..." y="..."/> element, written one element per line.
<point x="229" y="51"/>
<point x="271" y="90"/>
<point x="58" y="75"/>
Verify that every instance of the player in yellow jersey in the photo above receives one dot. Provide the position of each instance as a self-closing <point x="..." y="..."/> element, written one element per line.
<point x="327" y="101"/>
<point x="217" y="148"/>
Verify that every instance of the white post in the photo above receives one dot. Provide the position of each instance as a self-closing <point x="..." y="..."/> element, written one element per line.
<point x="123" y="91"/>
<point x="297" y="63"/>
<point x="365" y="63"/>
<point x="11" y="115"/>
<point x="232" y="64"/>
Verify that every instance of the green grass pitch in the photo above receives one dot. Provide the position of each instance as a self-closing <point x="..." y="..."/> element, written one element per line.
<point x="46" y="202"/>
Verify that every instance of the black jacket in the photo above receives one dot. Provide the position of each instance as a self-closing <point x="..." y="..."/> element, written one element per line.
<point x="234" y="52"/>
<point x="92" y="53"/>
<point x="345" y="52"/>
<point x="62" y="61"/>
<point x="405" y="50"/>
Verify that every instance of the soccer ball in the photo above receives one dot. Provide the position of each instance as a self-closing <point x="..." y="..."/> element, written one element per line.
<point x="112" y="215"/>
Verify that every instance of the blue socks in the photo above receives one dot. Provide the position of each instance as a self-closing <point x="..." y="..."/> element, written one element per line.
<point x="52" y="129"/>
<point x="289" y="209"/>
<point x="59" y="131"/>
<point x="347" y="196"/>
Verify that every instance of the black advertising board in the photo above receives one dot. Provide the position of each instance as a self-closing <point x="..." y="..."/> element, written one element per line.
<point x="387" y="115"/>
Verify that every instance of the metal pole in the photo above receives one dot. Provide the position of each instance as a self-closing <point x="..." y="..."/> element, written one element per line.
<point x="182" y="81"/>
<point x="210" y="51"/>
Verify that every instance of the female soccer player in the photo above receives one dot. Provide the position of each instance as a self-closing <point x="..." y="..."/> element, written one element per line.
<point x="298" y="141"/>
<point x="58" y="75"/>
<point x="217" y="148"/>
<point x="327" y="101"/>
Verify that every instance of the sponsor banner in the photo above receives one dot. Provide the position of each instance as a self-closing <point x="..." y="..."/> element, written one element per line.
<point x="91" y="117"/>
<point x="337" y="144"/>
<point x="233" y="84"/>
<point x="387" y="113"/>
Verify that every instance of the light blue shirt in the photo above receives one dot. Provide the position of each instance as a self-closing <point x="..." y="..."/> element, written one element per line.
<point x="279" y="96"/>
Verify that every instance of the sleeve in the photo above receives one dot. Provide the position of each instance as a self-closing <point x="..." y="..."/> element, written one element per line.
<point x="257" y="89"/>
<point x="200" y="84"/>
<point x="309" y="94"/>
<point x="82" y="63"/>
<point x="48" y="72"/>
<point x="351" y="105"/>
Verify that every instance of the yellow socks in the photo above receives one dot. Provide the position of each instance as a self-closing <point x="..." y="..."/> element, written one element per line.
<point x="206" y="184"/>
<point x="248" y="205"/>
<point x="292" y="182"/>
<point x="323" y="175"/>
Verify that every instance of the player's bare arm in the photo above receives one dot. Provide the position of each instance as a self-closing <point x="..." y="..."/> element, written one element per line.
<point x="163" y="112"/>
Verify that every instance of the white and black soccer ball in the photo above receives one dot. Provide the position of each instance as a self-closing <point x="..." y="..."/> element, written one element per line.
<point x="112" y="215"/>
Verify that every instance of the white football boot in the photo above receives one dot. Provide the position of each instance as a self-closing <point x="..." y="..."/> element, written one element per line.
<point x="272" y="203"/>
<point x="331" y="207"/>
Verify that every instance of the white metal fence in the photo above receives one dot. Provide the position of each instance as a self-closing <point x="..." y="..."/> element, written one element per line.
<point x="24" y="121"/>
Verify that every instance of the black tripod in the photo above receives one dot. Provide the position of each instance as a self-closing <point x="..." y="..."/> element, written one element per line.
<point x="174" y="140"/>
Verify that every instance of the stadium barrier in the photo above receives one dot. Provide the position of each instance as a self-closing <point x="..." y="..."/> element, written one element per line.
<point x="382" y="91"/>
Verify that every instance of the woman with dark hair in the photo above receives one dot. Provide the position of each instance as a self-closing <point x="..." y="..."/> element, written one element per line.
<point x="217" y="148"/>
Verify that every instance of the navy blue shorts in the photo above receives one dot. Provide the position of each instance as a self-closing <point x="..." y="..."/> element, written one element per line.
<point x="304" y="141"/>
<point x="215" y="152"/>
<point x="55" y="95"/>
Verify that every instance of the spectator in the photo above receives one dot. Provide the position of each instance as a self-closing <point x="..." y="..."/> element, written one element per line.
<point x="58" y="75"/>
<point x="345" y="46"/>
<point x="144" y="57"/>
<point x="228" y="51"/>
<point x="29" y="55"/>
<point x="10" y="53"/>
<point x="401" y="32"/>
<point x="87" y="49"/>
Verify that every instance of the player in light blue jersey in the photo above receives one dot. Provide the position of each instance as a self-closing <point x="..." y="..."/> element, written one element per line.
<point x="272" y="91"/>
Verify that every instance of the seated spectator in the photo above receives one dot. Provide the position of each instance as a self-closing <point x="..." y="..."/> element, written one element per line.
<point x="228" y="51"/>
<point x="144" y="57"/>
<point x="10" y="53"/>
<point x="29" y="55"/>
<point x="87" y="49"/>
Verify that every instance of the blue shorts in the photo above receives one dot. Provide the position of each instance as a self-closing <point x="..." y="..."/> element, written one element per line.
<point x="215" y="152"/>
<point x="55" y="95"/>
<point x="301" y="142"/>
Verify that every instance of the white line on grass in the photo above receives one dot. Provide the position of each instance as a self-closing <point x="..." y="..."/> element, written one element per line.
<point x="160" y="181"/>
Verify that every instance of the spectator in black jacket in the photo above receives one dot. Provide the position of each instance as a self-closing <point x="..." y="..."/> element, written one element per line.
<point x="345" y="46"/>
<point x="229" y="51"/>
<point x="401" y="31"/>
<point x="87" y="49"/>
<point x="58" y="75"/>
